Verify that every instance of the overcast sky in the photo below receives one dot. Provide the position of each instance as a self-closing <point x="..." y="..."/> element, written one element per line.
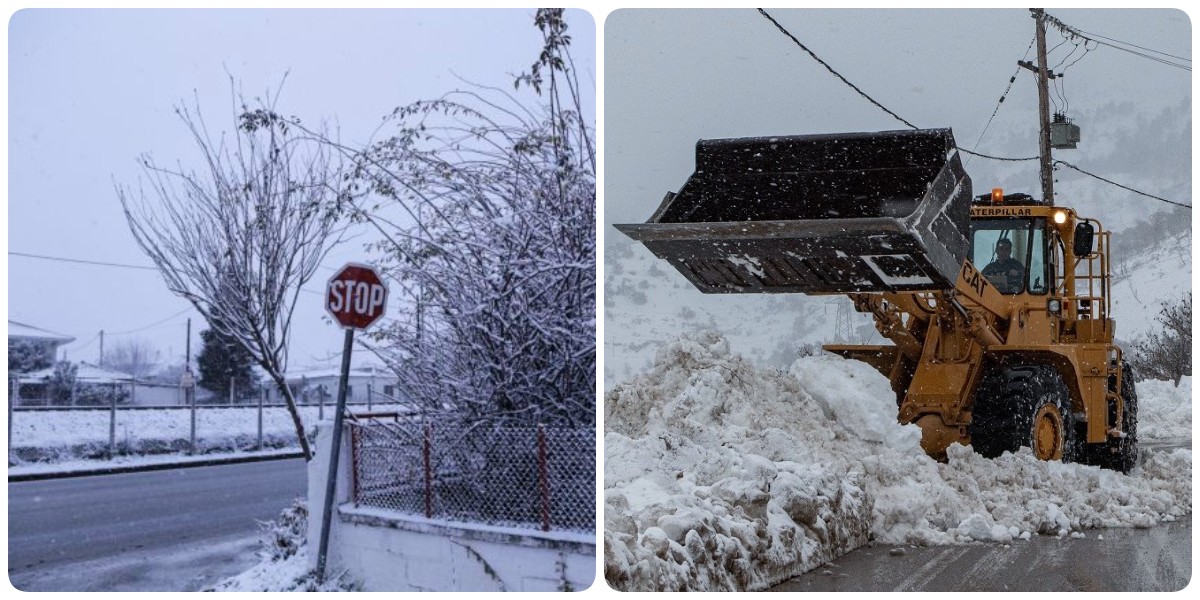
<point x="673" y="77"/>
<point x="88" y="91"/>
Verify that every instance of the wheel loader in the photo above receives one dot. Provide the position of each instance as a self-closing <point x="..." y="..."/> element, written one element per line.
<point x="997" y="307"/>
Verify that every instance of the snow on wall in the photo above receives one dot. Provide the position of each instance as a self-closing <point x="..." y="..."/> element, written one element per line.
<point x="723" y="476"/>
<point x="387" y="551"/>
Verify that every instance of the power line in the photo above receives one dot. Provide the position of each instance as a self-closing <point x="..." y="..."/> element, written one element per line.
<point x="119" y="265"/>
<point x="80" y="261"/>
<point x="864" y="95"/>
<point x="84" y="346"/>
<point x="1067" y="164"/>
<point x="901" y="119"/>
<point x="1068" y="30"/>
<point x="158" y="322"/>
<point x="1011" y="80"/>
<point x="982" y="155"/>
<point x="1129" y="44"/>
<point x="838" y="75"/>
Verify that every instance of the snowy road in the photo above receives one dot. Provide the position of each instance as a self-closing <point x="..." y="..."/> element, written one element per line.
<point x="1125" y="560"/>
<point x="163" y="530"/>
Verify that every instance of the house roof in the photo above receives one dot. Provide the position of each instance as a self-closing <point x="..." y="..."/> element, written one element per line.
<point x="336" y="372"/>
<point x="86" y="373"/>
<point x="21" y="331"/>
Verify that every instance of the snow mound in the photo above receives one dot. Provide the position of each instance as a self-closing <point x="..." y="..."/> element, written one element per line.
<point x="723" y="476"/>
<point x="1165" y="411"/>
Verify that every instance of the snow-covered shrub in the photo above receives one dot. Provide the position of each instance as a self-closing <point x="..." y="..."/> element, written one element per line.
<point x="282" y="538"/>
<point x="489" y="218"/>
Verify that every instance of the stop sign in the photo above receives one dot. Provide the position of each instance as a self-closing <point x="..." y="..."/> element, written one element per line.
<point x="356" y="296"/>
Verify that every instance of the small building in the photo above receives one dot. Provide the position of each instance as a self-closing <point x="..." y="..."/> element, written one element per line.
<point x="365" y="385"/>
<point x="93" y="385"/>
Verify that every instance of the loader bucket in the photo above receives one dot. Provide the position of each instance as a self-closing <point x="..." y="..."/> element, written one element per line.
<point x="833" y="213"/>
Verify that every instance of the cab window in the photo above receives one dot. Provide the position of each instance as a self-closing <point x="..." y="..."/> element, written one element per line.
<point x="1011" y="254"/>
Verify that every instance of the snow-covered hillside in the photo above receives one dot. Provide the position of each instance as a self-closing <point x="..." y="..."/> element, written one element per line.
<point x="1147" y="278"/>
<point x="647" y="303"/>
<point x="720" y="475"/>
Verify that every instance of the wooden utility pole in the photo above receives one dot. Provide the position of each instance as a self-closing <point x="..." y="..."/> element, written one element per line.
<point x="1043" y="78"/>
<point x="187" y="348"/>
<point x="101" y="348"/>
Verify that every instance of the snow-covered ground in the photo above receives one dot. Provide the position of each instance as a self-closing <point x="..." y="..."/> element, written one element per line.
<point x="70" y="436"/>
<point x="720" y="475"/>
<point x="285" y="575"/>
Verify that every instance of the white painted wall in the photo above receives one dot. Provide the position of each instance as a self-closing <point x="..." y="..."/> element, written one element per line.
<point x="387" y="551"/>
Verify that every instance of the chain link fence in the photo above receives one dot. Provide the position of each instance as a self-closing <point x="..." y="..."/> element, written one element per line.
<point x="529" y="476"/>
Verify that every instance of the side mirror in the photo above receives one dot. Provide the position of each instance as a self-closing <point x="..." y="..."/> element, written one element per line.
<point x="1084" y="234"/>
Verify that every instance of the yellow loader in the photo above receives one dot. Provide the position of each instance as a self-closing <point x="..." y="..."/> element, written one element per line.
<point x="997" y="307"/>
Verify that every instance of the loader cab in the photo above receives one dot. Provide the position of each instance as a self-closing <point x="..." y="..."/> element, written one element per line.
<point x="1010" y="250"/>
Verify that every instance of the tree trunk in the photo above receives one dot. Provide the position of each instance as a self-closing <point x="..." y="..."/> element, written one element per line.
<point x="286" y="392"/>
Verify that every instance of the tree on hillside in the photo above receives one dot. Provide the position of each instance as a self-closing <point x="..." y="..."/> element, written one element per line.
<point x="488" y="217"/>
<point x="240" y="236"/>
<point x="135" y="357"/>
<point x="222" y="361"/>
<point x="1167" y="353"/>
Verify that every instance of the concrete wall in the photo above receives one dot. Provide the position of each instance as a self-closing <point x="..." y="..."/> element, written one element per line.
<point x="388" y="551"/>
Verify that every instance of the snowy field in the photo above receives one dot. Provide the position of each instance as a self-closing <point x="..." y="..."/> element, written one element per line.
<point x="720" y="475"/>
<point x="66" y="436"/>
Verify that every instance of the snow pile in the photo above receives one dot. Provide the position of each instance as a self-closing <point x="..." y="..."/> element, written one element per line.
<point x="721" y="476"/>
<point x="1165" y="411"/>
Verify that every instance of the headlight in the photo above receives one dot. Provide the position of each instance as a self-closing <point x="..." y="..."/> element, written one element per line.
<point x="1060" y="216"/>
<point x="1054" y="306"/>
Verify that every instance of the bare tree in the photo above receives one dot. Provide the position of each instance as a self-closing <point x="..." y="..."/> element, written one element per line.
<point x="1167" y="353"/>
<point x="240" y="236"/>
<point x="134" y="356"/>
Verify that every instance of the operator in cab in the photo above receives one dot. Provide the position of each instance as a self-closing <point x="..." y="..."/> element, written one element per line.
<point x="1006" y="272"/>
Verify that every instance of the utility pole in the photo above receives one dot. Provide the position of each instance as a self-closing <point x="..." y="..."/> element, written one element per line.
<point x="187" y="348"/>
<point x="101" y="348"/>
<point x="1043" y="75"/>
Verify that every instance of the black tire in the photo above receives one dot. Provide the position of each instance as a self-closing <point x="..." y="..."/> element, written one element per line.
<point x="1024" y="406"/>
<point x="1122" y="453"/>
<point x="1117" y="454"/>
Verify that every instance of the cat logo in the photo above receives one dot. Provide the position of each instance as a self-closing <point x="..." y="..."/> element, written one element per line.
<point x="972" y="278"/>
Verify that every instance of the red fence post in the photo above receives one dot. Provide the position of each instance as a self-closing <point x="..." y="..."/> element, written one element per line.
<point x="428" y="473"/>
<point x="543" y="478"/>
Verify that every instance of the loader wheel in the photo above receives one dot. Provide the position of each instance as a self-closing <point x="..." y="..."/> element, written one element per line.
<point x="1045" y="421"/>
<point x="991" y="418"/>
<point x="1048" y="436"/>
<point x="1026" y="406"/>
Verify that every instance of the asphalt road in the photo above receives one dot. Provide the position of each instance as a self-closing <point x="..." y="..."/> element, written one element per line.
<point x="1125" y="560"/>
<point x="181" y="528"/>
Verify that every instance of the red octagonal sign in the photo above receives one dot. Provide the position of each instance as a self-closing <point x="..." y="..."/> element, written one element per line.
<point x="356" y="296"/>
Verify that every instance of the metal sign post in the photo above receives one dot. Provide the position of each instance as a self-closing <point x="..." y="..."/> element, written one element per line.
<point x="356" y="298"/>
<point x="188" y="382"/>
